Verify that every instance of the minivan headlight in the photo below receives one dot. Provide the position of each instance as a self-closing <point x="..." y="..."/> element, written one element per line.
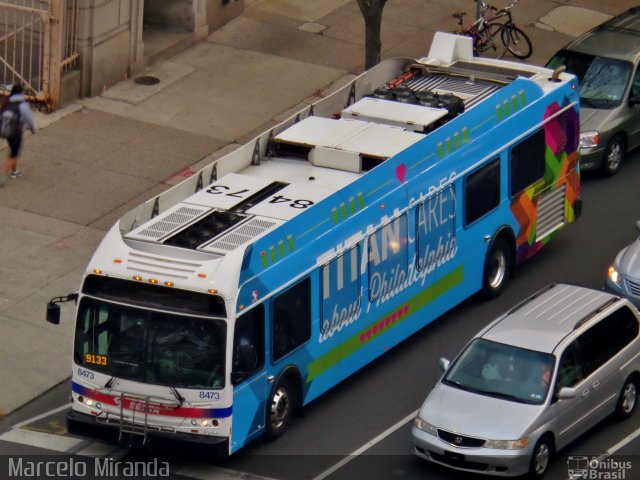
<point x="613" y="274"/>
<point x="507" y="444"/>
<point x="588" y="139"/>
<point x="425" y="426"/>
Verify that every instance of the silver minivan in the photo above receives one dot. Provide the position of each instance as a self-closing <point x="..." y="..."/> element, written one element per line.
<point x="532" y="381"/>
<point x="605" y="60"/>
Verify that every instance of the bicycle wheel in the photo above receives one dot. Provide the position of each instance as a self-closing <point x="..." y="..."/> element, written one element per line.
<point x="490" y="41"/>
<point x="517" y="42"/>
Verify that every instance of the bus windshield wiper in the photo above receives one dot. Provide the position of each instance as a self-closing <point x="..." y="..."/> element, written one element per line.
<point x="176" y="394"/>
<point x="109" y="382"/>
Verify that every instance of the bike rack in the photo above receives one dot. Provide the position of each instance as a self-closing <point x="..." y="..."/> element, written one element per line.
<point x="131" y="426"/>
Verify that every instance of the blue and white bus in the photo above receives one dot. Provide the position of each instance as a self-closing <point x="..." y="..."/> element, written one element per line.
<point x="214" y="311"/>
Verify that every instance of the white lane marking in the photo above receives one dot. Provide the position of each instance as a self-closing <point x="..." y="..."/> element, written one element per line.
<point x="57" y="443"/>
<point x="97" y="449"/>
<point x="41" y="416"/>
<point x="22" y="434"/>
<point x="208" y="472"/>
<point x="623" y="442"/>
<point x="353" y="455"/>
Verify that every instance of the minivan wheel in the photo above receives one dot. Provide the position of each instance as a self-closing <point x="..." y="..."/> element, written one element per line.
<point x="541" y="458"/>
<point x="613" y="156"/>
<point x="628" y="399"/>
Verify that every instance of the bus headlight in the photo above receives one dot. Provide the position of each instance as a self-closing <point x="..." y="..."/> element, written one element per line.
<point x="425" y="426"/>
<point x="613" y="274"/>
<point x="507" y="444"/>
<point x="588" y="139"/>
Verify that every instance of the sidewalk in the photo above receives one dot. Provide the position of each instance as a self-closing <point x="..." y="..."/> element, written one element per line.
<point x="97" y="158"/>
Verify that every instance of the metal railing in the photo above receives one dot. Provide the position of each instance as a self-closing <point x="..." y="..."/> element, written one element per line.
<point x="38" y="41"/>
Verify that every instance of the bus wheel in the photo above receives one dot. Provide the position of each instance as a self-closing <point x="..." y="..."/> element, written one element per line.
<point x="280" y="409"/>
<point x="497" y="268"/>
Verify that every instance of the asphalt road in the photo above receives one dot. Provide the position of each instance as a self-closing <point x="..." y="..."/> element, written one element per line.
<point x="370" y="413"/>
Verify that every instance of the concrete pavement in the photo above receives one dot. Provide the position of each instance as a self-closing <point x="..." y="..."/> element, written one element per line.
<point x="97" y="158"/>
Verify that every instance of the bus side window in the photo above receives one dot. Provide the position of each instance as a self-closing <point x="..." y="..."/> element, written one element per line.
<point x="482" y="191"/>
<point x="248" y="345"/>
<point x="291" y="319"/>
<point x="527" y="162"/>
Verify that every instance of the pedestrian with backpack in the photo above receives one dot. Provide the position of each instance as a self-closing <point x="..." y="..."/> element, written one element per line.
<point x="15" y="117"/>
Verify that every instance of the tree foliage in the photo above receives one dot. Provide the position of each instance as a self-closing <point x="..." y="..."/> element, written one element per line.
<point x="372" y="13"/>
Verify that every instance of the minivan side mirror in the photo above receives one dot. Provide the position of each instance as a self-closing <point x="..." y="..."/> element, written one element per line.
<point x="638" y="225"/>
<point x="443" y="363"/>
<point x="566" y="393"/>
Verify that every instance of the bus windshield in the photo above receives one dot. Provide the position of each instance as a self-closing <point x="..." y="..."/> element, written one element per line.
<point x="148" y="346"/>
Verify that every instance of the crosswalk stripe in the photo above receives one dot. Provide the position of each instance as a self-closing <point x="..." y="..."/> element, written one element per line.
<point x="208" y="472"/>
<point x="57" y="443"/>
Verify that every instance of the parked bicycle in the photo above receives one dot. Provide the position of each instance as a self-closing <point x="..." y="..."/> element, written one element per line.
<point x="494" y="33"/>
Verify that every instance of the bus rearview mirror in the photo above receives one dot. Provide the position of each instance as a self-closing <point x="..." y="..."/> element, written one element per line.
<point x="53" y="313"/>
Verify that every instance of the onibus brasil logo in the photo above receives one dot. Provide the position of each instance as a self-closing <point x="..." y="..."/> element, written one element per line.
<point x="602" y="468"/>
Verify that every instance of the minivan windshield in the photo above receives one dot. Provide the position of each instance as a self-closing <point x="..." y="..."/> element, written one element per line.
<point x="603" y="81"/>
<point x="502" y="371"/>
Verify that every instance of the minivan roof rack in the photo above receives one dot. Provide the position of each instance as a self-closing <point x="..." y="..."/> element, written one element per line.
<point x="592" y="314"/>
<point x="620" y="22"/>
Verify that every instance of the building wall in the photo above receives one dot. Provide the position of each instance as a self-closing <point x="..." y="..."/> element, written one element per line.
<point x="170" y="13"/>
<point x="221" y="12"/>
<point x="110" y="39"/>
<point x="104" y="42"/>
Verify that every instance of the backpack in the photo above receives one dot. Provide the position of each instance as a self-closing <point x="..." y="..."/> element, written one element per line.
<point x="10" y="120"/>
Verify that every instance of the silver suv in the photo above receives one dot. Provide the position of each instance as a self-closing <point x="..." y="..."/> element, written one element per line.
<point x="623" y="277"/>
<point x="605" y="60"/>
<point x="532" y="381"/>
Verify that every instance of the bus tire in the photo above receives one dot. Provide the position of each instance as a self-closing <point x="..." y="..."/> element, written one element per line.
<point x="280" y="408"/>
<point x="497" y="268"/>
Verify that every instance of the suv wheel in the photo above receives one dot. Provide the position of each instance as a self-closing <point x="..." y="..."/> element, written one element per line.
<point x="628" y="399"/>
<point x="613" y="156"/>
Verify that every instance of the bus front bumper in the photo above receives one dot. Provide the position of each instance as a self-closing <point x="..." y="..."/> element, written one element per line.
<point x="191" y="443"/>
